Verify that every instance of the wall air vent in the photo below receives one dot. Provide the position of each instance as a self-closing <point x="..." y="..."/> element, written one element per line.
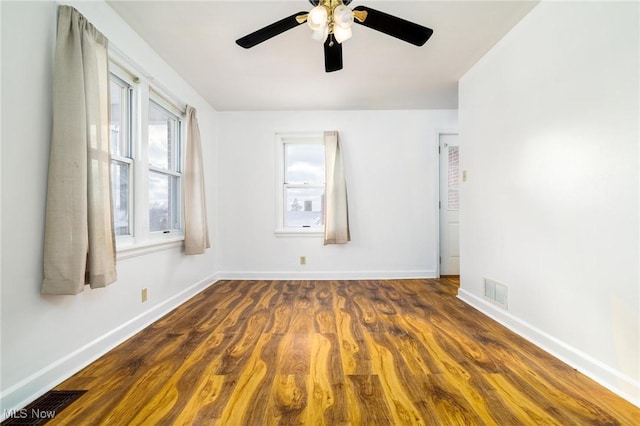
<point x="495" y="292"/>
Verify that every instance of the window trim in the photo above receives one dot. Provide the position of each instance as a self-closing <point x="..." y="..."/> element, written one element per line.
<point x="175" y="170"/>
<point x="142" y="241"/>
<point x="128" y="79"/>
<point x="281" y="140"/>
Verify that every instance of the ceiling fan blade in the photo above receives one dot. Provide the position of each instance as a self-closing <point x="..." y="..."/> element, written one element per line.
<point x="332" y="55"/>
<point x="394" y="26"/>
<point x="269" y="31"/>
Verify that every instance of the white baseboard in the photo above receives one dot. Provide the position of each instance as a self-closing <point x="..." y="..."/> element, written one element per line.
<point x="324" y="275"/>
<point x="32" y="387"/>
<point x="612" y="379"/>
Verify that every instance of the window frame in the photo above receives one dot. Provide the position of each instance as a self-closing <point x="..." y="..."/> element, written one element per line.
<point x="283" y="139"/>
<point x="141" y="240"/>
<point x="127" y="81"/>
<point x="174" y="170"/>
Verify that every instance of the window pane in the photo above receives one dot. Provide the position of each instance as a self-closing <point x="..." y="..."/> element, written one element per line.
<point x="120" y="197"/>
<point x="120" y="117"/>
<point x="163" y="138"/>
<point x="304" y="163"/>
<point x="304" y="207"/>
<point x="163" y="202"/>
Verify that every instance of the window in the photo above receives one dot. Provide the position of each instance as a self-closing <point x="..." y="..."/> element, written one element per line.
<point x="121" y="158"/>
<point x="164" y="130"/>
<point x="146" y="162"/>
<point x="301" y="184"/>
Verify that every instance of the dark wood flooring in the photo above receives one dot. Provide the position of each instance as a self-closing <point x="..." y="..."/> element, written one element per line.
<point x="390" y="352"/>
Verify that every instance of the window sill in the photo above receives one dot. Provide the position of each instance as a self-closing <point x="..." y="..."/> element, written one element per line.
<point x="285" y="233"/>
<point x="134" y="250"/>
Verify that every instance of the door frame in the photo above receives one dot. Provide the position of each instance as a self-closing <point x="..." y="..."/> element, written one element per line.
<point x="438" y="133"/>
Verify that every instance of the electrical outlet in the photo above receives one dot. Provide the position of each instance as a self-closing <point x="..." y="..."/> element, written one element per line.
<point x="303" y="260"/>
<point x="144" y="295"/>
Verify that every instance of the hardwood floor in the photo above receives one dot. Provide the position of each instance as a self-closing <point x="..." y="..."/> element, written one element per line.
<point x="335" y="353"/>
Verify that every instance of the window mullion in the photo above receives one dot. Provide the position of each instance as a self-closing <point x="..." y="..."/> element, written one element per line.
<point x="142" y="161"/>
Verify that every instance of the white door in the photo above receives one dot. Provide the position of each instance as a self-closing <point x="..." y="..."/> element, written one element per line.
<point x="449" y="205"/>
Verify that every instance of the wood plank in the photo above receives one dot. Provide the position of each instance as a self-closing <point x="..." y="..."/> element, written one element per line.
<point x="369" y="406"/>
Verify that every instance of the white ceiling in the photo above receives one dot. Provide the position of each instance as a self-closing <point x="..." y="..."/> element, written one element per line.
<point x="197" y="38"/>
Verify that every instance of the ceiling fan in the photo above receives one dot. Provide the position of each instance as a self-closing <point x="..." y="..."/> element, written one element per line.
<point x="331" y="20"/>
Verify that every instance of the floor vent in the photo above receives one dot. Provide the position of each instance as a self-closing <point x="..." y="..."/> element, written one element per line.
<point x="495" y="292"/>
<point x="42" y="409"/>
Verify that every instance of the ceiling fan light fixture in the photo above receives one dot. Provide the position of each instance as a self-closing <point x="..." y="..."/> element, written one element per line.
<point x="343" y="16"/>
<point x="342" y="34"/>
<point x="320" y="34"/>
<point x="318" y="17"/>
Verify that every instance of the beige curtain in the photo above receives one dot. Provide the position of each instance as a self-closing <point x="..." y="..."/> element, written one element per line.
<point x="336" y="212"/>
<point x="79" y="246"/>
<point x="196" y="230"/>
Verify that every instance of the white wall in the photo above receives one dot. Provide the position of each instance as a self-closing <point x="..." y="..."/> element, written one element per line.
<point x="391" y="168"/>
<point x="45" y="338"/>
<point x="549" y="135"/>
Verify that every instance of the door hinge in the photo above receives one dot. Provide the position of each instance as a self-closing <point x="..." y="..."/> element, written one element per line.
<point x="440" y="259"/>
<point x="439" y="204"/>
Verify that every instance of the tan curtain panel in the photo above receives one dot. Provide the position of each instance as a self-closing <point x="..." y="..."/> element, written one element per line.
<point x="336" y="213"/>
<point x="79" y="246"/>
<point x="196" y="230"/>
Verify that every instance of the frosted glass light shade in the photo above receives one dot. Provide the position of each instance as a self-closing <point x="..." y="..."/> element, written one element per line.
<point x="320" y="34"/>
<point x="342" y="34"/>
<point x="317" y="18"/>
<point x="343" y="16"/>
